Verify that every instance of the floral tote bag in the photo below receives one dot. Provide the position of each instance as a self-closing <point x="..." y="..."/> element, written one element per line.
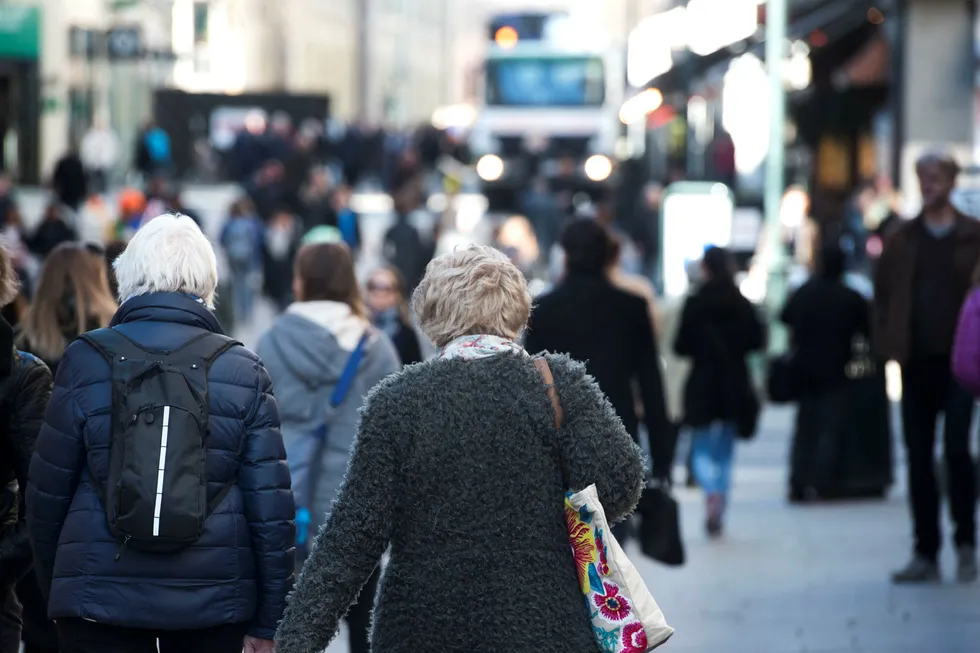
<point x="625" y="617"/>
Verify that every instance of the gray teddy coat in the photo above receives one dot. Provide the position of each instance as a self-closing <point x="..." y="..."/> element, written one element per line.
<point x="459" y="469"/>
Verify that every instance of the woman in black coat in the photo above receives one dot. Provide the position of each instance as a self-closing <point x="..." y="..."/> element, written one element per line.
<point x="391" y="314"/>
<point x="836" y="453"/>
<point x="718" y="329"/>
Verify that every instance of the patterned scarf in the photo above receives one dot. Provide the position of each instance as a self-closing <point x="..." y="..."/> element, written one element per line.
<point x="476" y="347"/>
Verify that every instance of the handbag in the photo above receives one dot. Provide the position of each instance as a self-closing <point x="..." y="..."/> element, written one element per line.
<point x="304" y="453"/>
<point x="660" y="524"/>
<point x="625" y="617"/>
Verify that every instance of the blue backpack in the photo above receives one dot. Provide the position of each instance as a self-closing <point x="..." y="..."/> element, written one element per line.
<point x="158" y="145"/>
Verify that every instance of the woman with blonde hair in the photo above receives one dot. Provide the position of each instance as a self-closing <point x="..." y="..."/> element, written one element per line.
<point x="391" y="313"/>
<point x="459" y="469"/>
<point x="72" y="297"/>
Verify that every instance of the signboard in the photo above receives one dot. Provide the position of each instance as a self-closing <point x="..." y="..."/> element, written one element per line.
<point x="695" y="216"/>
<point x="20" y="31"/>
<point x="124" y="43"/>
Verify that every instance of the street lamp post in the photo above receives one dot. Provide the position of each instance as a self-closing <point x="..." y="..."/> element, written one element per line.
<point x="775" y="250"/>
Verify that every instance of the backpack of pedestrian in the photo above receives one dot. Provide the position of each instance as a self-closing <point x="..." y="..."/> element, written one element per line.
<point x="324" y="356"/>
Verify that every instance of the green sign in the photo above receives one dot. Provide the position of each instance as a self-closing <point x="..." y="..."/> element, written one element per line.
<point x="20" y="31"/>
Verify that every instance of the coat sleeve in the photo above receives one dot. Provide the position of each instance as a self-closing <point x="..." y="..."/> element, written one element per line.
<point x="350" y="545"/>
<point x="686" y="342"/>
<point x="265" y="485"/>
<point x="966" y="347"/>
<point x="595" y="447"/>
<point x="27" y="403"/>
<point x="650" y="375"/>
<point x="56" y="466"/>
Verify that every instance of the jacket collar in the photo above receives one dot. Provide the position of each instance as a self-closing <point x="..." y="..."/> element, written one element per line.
<point x="166" y="307"/>
<point x="961" y="224"/>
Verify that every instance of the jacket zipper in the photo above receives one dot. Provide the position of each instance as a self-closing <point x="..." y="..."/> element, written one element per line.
<point x="121" y="548"/>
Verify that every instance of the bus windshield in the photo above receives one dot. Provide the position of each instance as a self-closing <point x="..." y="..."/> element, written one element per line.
<point x="545" y="82"/>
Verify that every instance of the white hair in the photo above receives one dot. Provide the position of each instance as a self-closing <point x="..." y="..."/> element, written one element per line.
<point x="168" y="254"/>
<point x="474" y="290"/>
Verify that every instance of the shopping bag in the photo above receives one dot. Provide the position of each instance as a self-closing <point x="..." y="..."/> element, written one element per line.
<point x="660" y="525"/>
<point x="625" y="616"/>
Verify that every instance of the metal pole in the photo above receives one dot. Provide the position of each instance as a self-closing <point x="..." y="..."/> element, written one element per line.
<point x="776" y="18"/>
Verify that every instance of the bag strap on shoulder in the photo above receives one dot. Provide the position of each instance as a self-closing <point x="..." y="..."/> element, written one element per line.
<point x="541" y="364"/>
<point x="342" y="389"/>
<point x="207" y="347"/>
<point x="113" y="345"/>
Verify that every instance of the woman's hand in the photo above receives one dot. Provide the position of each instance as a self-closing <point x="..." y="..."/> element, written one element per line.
<point x="255" y="645"/>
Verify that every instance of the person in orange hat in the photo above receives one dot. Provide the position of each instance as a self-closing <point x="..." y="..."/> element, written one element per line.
<point x="132" y="208"/>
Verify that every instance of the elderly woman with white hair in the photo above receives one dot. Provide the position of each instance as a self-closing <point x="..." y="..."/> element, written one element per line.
<point x="459" y="468"/>
<point x="159" y="500"/>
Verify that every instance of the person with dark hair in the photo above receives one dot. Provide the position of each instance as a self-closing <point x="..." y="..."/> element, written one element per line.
<point x="308" y="352"/>
<point x="390" y="312"/>
<point x="718" y="329"/>
<point x="829" y="325"/>
<point x="53" y="230"/>
<point x="25" y="386"/>
<point x="923" y="277"/>
<point x="590" y="319"/>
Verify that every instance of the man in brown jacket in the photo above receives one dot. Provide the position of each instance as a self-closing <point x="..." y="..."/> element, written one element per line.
<point x="924" y="275"/>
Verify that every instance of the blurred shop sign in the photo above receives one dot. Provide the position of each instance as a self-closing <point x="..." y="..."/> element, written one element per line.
<point x="20" y="31"/>
<point x="124" y="43"/>
<point x="695" y="216"/>
<point x="84" y="43"/>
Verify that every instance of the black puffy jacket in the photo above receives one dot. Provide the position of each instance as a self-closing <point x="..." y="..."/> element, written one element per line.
<point x="240" y="569"/>
<point x="25" y="386"/>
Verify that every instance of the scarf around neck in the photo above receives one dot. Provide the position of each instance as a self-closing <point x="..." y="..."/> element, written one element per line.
<point x="480" y="346"/>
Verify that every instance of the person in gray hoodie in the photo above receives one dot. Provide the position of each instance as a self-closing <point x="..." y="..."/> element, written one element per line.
<point x="306" y="353"/>
<point x="461" y="467"/>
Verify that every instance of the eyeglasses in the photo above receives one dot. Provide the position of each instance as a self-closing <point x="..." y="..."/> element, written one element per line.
<point x="380" y="287"/>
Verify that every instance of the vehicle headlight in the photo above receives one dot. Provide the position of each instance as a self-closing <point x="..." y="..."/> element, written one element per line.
<point x="598" y="167"/>
<point x="490" y="167"/>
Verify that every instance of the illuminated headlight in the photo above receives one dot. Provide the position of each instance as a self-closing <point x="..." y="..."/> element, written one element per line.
<point x="490" y="167"/>
<point x="598" y="167"/>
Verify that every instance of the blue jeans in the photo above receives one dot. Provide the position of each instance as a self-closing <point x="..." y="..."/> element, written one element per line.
<point x="713" y="450"/>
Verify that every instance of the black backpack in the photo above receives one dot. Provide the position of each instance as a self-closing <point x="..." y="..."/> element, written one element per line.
<point x="155" y="497"/>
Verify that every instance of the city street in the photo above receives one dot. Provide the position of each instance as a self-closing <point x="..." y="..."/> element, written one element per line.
<point x="785" y="579"/>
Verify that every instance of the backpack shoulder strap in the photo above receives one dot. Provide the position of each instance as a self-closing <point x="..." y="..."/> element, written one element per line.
<point x="206" y="347"/>
<point x="544" y="370"/>
<point x="113" y="346"/>
<point x="342" y="389"/>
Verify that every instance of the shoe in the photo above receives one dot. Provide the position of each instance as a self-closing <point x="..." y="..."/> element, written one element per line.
<point x="966" y="564"/>
<point x="716" y="511"/>
<point x="920" y="570"/>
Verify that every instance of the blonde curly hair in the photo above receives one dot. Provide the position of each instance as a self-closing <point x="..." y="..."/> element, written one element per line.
<point x="474" y="290"/>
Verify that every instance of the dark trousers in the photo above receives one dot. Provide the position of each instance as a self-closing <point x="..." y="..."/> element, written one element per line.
<point x="359" y="616"/>
<point x="928" y="390"/>
<point x="81" y="636"/>
<point x="10" y="621"/>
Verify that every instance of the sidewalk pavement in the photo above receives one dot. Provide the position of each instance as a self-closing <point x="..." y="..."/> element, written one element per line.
<point x="807" y="579"/>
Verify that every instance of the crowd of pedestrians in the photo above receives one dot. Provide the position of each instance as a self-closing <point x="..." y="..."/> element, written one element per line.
<point x="165" y="483"/>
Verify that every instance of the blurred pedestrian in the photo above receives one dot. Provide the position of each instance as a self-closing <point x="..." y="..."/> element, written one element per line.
<point x="317" y="199"/>
<point x="348" y="220"/>
<point x="282" y="239"/>
<point x="825" y="319"/>
<point x="922" y="280"/>
<point x="455" y="461"/>
<point x="228" y="562"/>
<point x="158" y="158"/>
<point x="324" y="356"/>
<point x="242" y="240"/>
<point x="719" y="328"/>
<point x="100" y="152"/>
<point x="267" y="189"/>
<point x="25" y="386"/>
<point x="545" y="215"/>
<point x="132" y="211"/>
<point x="636" y="284"/>
<point x="53" y="230"/>
<point x="68" y="180"/>
<point x="590" y="319"/>
<point x="391" y="313"/>
<point x="404" y="247"/>
<point x="72" y="297"/>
